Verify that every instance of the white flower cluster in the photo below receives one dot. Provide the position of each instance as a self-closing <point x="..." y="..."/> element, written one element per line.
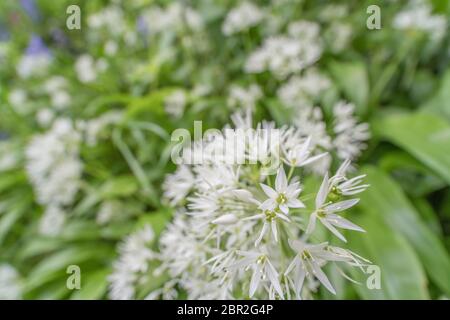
<point x="87" y="69"/>
<point x="56" y="88"/>
<point x="419" y="16"/>
<point x="240" y="231"/>
<point x="110" y="18"/>
<point x="350" y="136"/>
<point x="347" y="137"/>
<point x="175" y="103"/>
<point x="241" y="18"/>
<point x="33" y="65"/>
<point x="54" y="169"/>
<point x="284" y="55"/>
<point x="10" y="288"/>
<point x="134" y="255"/>
<point x="299" y="90"/>
<point x="175" y="17"/>
<point x="244" y="97"/>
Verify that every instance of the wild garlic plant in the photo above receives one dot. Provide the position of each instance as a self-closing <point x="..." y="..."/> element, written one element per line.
<point x="245" y="230"/>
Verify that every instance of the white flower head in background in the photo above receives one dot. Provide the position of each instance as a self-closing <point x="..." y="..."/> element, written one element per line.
<point x="244" y="97"/>
<point x="175" y="17"/>
<point x="53" y="164"/>
<point x="300" y="90"/>
<point x="241" y="18"/>
<point x="284" y="55"/>
<point x="87" y="68"/>
<point x="350" y="136"/>
<point x="111" y="19"/>
<point x="10" y="286"/>
<point x="52" y="221"/>
<point x="175" y="103"/>
<point x="419" y="16"/>
<point x="56" y="88"/>
<point x="36" y="60"/>
<point x="18" y="99"/>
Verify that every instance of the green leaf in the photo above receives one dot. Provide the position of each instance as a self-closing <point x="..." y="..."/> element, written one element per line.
<point x="93" y="286"/>
<point x="8" y="220"/>
<point x="425" y="136"/>
<point x="123" y="186"/>
<point x="402" y="276"/>
<point x="413" y="176"/>
<point x="386" y="200"/>
<point x="440" y="101"/>
<point x="54" y="266"/>
<point x="352" y="79"/>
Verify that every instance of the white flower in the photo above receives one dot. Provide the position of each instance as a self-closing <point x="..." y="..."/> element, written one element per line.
<point x="177" y="185"/>
<point x="87" y="68"/>
<point x="110" y="18"/>
<point x="299" y="155"/>
<point x="284" y="196"/>
<point x="52" y="222"/>
<point x="175" y="103"/>
<point x="134" y="255"/>
<point x="241" y="18"/>
<point x="270" y="221"/>
<point x="338" y="36"/>
<point x="220" y="231"/>
<point x="340" y="185"/>
<point x="419" y="16"/>
<point x="262" y="269"/>
<point x="325" y="212"/>
<point x="286" y="55"/>
<point x="241" y="97"/>
<point x="33" y="65"/>
<point x="111" y="48"/>
<point x="19" y="100"/>
<point x="53" y="164"/>
<point x="350" y="135"/>
<point x="300" y="90"/>
<point x="311" y="258"/>
<point x="176" y="17"/>
<point x="10" y="287"/>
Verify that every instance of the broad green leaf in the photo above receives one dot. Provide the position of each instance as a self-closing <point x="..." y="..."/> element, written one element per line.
<point x="8" y="220"/>
<point x="413" y="176"/>
<point x="55" y="265"/>
<point x="402" y="276"/>
<point x="37" y="246"/>
<point x="425" y="136"/>
<point x="386" y="200"/>
<point x="440" y="101"/>
<point x="352" y="79"/>
<point x="93" y="286"/>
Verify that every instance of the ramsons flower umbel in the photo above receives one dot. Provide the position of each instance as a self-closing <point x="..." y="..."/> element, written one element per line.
<point x="239" y="229"/>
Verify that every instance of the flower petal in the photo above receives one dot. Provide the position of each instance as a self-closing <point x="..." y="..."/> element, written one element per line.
<point x="342" y="205"/>
<point x="271" y="193"/>
<point x="281" y="180"/>
<point x="323" y="192"/>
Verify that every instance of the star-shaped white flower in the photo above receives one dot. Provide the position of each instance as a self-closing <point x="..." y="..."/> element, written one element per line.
<point x="270" y="221"/>
<point x="284" y="196"/>
<point x="325" y="212"/>
<point x="263" y="270"/>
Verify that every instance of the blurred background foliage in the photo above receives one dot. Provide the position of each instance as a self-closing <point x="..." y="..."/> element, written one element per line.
<point x="399" y="82"/>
